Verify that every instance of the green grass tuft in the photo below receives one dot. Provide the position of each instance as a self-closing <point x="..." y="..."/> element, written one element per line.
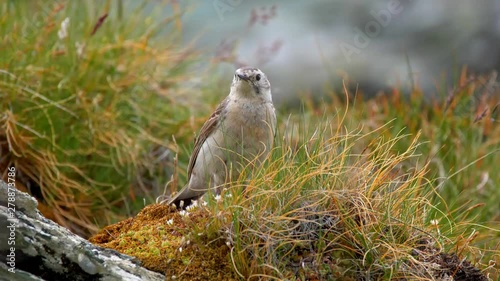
<point x="88" y="111"/>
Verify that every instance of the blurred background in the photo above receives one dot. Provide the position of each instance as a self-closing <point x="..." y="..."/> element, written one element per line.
<point x="378" y="44"/>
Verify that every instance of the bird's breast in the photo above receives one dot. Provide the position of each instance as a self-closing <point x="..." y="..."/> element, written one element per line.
<point x="250" y="124"/>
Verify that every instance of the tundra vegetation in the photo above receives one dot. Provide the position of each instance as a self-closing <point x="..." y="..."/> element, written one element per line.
<point x="99" y="109"/>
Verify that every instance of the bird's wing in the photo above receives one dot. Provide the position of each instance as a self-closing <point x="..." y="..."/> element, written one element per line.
<point x="207" y="129"/>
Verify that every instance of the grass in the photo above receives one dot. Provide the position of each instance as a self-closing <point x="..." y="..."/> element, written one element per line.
<point x="461" y="141"/>
<point x="332" y="202"/>
<point x="89" y="110"/>
<point x="343" y="212"/>
<point x="97" y="117"/>
<point x="356" y="195"/>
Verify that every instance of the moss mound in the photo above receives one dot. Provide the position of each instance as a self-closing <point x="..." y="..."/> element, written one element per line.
<point x="158" y="237"/>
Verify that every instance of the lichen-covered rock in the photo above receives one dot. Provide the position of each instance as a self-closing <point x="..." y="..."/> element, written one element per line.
<point x="35" y="248"/>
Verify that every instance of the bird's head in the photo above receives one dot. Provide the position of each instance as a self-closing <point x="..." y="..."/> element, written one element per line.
<point x="251" y="82"/>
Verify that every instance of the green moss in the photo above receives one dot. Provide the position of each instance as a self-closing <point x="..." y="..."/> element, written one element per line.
<point x="162" y="253"/>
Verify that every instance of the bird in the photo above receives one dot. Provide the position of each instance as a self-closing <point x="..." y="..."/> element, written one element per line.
<point x="239" y="131"/>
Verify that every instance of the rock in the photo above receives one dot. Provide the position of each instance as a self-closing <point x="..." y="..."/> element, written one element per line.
<point x="33" y="247"/>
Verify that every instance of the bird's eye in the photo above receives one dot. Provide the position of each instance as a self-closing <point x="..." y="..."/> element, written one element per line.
<point x="257" y="77"/>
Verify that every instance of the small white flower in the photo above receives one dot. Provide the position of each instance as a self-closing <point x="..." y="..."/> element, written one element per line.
<point x="170" y="222"/>
<point x="183" y="213"/>
<point x="80" y="47"/>
<point x="180" y="249"/>
<point x="218" y="198"/>
<point x="191" y="207"/>
<point x="228" y="243"/>
<point x="63" y="32"/>
<point x="229" y="195"/>
<point x="434" y="222"/>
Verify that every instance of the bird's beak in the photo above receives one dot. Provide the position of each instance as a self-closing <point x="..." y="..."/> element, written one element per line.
<point x="243" y="77"/>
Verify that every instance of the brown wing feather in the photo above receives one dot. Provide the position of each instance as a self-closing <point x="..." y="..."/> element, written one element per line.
<point x="205" y="131"/>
